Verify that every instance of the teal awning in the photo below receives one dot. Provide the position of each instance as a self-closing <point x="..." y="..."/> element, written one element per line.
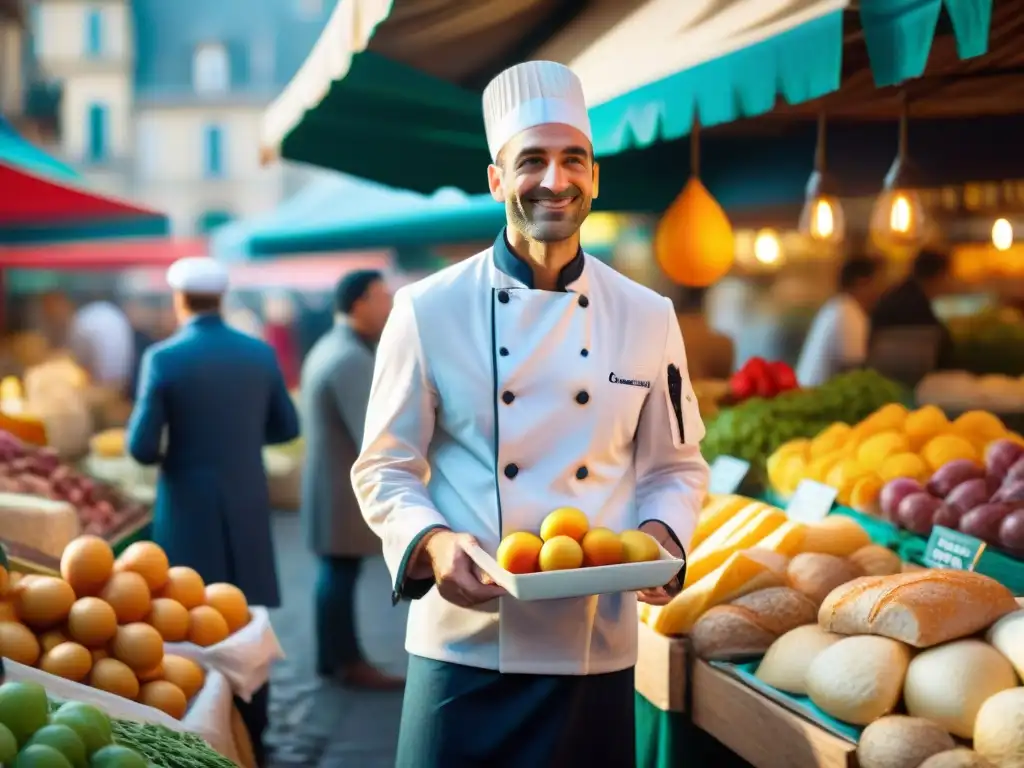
<point x="18" y="153"/>
<point x="372" y="116"/>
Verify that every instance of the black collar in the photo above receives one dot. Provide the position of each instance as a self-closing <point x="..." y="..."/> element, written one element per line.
<point x="506" y="260"/>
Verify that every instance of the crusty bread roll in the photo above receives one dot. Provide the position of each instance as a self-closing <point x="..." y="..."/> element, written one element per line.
<point x="898" y="741"/>
<point x="921" y="608"/>
<point x="785" y="664"/>
<point x="816" y="574"/>
<point x="947" y="684"/>
<point x="999" y="729"/>
<point x="876" y="560"/>
<point x="837" y="535"/>
<point x="1007" y="637"/>
<point x="859" y="679"/>
<point x="957" y="758"/>
<point x="750" y="624"/>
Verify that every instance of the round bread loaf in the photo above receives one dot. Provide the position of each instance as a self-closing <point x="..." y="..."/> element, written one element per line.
<point x="876" y="560"/>
<point x="899" y="741"/>
<point x="747" y="626"/>
<point x="947" y="684"/>
<point x="957" y="758"/>
<point x="817" y="574"/>
<point x="999" y="729"/>
<point x="785" y="664"/>
<point x="858" y="679"/>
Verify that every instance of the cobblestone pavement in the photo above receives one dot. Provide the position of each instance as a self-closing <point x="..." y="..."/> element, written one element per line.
<point x="314" y="723"/>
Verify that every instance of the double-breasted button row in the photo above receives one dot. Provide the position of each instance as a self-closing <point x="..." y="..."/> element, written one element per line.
<point x="512" y="469"/>
<point x="507" y="397"/>
<point x="583" y="301"/>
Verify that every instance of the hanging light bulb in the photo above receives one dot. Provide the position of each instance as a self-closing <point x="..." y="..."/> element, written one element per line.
<point x="768" y="248"/>
<point x="822" y="216"/>
<point x="1002" y="234"/>
<point x="898" y="217"/>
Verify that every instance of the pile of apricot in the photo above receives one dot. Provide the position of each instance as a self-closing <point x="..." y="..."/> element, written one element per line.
<point x="566" y="541"/>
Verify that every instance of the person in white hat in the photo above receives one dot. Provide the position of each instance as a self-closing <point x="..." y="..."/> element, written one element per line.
<point x="526" y="378"/>
<point x="209" y="399"/>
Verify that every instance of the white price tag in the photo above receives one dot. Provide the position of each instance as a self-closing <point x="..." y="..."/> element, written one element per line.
<point x="727" y="474"/>
<point x="811" y="502"/>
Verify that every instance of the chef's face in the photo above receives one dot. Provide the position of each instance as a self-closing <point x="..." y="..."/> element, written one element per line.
<point x="546" y="177"/>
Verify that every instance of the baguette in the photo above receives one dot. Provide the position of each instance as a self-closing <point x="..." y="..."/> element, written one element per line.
<point x="747" y="626"/>
<point x="920" y="608"/>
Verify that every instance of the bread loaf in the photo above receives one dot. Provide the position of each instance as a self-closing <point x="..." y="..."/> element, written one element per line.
<point x="875" y="560"/>
<point x="899" y="741"/>
<point x="948" y="683"/>
<point x="859" y="679"/>
<point x="837" y="535"/>
<point x="816" y="574"/>
<point x="957" y="758"/>
<point x="1007" y="637"/>
<point x="999" y="729"/>
<point x="785" y="664"/>
<point x="747" y="626"/>
<point x="922" y="608"/>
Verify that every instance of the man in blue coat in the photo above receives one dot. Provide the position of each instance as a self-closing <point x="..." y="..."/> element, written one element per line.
<point x="209" y="399"/>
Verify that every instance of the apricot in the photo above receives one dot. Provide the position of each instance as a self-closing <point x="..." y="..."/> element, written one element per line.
<point x="519" y="552"/>
<point x="601" y="547"/>
<point x="564" y="521"/>
<point x="560" y="553"/>
<point x="639" y="547"/>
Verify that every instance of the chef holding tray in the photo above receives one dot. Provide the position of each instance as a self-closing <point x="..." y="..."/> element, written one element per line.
<point x="526" y="378"/>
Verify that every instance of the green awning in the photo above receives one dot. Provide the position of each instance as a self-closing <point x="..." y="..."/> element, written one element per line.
<point x="374" y="117"/>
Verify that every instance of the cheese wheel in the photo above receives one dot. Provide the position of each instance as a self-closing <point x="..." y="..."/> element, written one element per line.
<point x="1007" y="636"/>
<point x="999" y="729"/>
<point x="947" y="684"/>
<point x="858" y="679"/>
<point x="899" y="741"/>
<point x="785" y="664"/>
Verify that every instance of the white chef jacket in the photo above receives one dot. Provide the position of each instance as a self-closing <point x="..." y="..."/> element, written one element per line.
<point x="837" y="341"/>
<point x="494" y="403"/>
<point x="103" y="342"/>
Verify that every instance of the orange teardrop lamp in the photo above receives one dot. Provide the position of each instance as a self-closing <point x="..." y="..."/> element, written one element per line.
<point x="694" y="242"/>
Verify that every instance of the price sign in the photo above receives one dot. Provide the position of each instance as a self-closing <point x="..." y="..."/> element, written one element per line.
<point x="947" y="548"/>
<point x="727" y="474"/>
<point x="811" y="502"/>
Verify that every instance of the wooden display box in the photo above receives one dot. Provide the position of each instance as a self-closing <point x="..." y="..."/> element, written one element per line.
<point x="661" y="670"/>
<point x="760" y="731"/>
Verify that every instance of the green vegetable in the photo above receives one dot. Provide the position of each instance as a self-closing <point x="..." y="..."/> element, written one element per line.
<point x="40" y="756"/>
<point x="24" y="709"/>
<point x="754" y="429"/>
<point x="8" y="745"/>
<point x="91" y="725"/>
<point x="165" y="748"/>
<point x="64" y="740"/>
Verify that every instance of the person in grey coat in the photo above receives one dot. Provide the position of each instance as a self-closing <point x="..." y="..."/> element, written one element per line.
<point x="335" y="387"/>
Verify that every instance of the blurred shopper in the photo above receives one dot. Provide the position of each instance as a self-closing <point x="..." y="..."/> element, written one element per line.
<point x="908" y="306"/>
<point x="336" y="381"/>
<point x="98" y="335"/>
<point x="209" y="399"/>
<point x="709" y="354"/>
<point x="526" y="378"/>
<point x="279" y="333"/>
<point x="838" y="338"/>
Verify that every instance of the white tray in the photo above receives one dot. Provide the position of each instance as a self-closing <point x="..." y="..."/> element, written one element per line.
<point x="580" y="582"/>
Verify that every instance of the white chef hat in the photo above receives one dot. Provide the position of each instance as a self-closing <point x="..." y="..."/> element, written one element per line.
<point x="529" y="94"/>
<point x="198" y="274"/>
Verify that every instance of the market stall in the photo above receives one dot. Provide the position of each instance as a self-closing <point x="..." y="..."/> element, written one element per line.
<point x="145" y="643"/>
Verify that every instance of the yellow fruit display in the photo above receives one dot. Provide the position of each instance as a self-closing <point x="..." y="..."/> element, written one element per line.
<point x="829" y="440"/>
<point x="946" y="448"/>
<point x="904" y="465"/>
<point x="890" y="417"/>
<point x="602" y="546"/>
<point x="979" y="427"/>
<point x="560" y="553"/>
<point x="924" y="424"/>
<point x="639" y="547"/>
<point x="879" y="446"/>
<point x="519" y="552"/>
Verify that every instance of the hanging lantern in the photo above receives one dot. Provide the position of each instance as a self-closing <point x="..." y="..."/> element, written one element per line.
<point x="898" y="218"/>
<point x="822" y="216"/>
<point x="694" y="242"/>
<point x="768" y="248"/>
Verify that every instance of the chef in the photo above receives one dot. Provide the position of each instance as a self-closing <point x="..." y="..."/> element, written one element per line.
<point x="528" y="377"/>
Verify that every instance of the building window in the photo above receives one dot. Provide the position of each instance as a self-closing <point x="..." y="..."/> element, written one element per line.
<point x="98" y="147"/>
<point x="211" y="72"/>
<point x="211" y="220"/>
<point x="213" y="152"/>
<point x="94" y="33"/>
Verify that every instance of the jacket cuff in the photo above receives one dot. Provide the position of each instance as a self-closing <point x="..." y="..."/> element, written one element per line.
<point x="675" y="586"/>
<point x="406" y="588"/>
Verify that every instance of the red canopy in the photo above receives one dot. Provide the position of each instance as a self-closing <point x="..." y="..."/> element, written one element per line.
<point x="30" y="200"/>
<point x="101" y="254"/>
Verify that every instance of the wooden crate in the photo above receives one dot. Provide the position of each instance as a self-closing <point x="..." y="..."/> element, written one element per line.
<point x="760" y="731"/>
<point x="661" y="670"/>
